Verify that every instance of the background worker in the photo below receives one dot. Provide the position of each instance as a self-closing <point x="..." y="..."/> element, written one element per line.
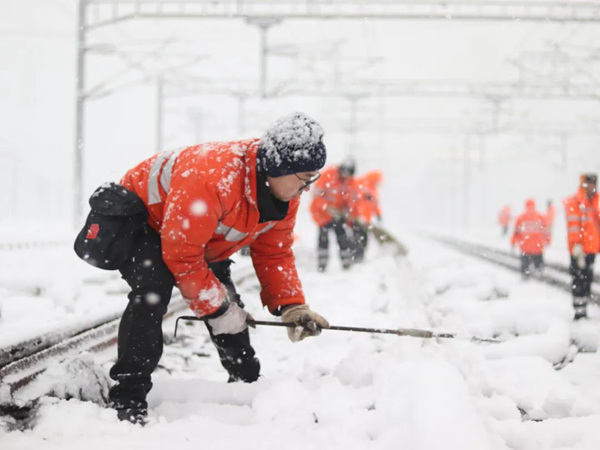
<point x="531" y="234"/>
<point x="329" y="209"/>
<point x="583" y="237"/>
<point x="550" y="215"/>
<point x="504" y="219"/>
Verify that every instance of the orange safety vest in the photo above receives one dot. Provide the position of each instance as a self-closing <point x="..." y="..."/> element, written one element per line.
<point x="331" y="196"/>
<point x="583" y="221"/>
<point x="531" y="232"/>
<point x="203" y="202"/>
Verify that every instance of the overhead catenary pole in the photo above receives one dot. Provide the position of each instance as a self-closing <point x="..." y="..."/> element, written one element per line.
<point x="263" y="23"/>
<point x="160" y="117"/>
<point x="466" y="184"/>
<point x="241" y="119"/>
<point x="79" y="114"/>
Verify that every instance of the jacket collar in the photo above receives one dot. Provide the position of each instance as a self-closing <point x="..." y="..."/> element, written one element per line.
<point x="257" y="190"/>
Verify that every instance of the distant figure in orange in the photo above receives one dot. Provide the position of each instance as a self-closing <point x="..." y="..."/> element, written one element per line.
<point x="550" y="215"/>
<point x="504" y="219"/>
<point x="330" y="208"/>
<point x="583" y="235"/>
<point x="364" y="209"/>
<point x="531" y="234"/>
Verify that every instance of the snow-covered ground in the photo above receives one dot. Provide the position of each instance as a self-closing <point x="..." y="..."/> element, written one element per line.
<point x="340" y="390"/>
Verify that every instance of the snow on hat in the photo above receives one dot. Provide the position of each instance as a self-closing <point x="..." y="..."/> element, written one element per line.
<point x="294" y="144"/>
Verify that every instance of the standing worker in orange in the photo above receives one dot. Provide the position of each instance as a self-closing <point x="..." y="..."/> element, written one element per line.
<point x="550" y="215"/>
<point x="531" y="233"/>
<point x="583" y="234"/>
<point x="504" y="219"/>
<point x="329" y="209"/>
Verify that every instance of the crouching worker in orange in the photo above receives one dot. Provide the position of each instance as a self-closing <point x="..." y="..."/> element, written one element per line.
<point x="329" y="209"/>
<point x="176" y="218"/>
<point x="531" y="234"/>
<point x="364" y="210"/>
<point x="583" y="231"/>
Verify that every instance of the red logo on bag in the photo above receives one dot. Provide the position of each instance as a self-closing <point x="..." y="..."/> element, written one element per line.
<point x="93" y="231"/>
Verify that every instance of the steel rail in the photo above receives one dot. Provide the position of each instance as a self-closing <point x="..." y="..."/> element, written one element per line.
<point x="23" y="362"/>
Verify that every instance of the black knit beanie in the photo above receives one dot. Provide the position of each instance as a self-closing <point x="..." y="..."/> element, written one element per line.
<point x="294" y="144"/>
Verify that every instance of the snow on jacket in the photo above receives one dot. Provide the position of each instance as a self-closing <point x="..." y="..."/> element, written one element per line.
<point x="203" y="202"/>
<point x="331" y="197"/>
<point x="531" y="231"/>
<point x="583" y="221"/>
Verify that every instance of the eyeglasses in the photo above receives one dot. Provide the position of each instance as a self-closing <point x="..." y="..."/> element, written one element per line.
<point x="308" y="182"/>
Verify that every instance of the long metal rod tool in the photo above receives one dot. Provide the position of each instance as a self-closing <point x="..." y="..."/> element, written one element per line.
<point x="413" y="332"/>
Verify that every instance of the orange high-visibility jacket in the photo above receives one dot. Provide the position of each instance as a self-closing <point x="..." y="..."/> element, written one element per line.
<point x="583" y="221"/>
<point x="550" y="215"/>
<point x="366" y="193"/>
<point x="331" y="196"/>
<point x="531" y="231"/>
<point x="504" y="216"/>
<point x="203" y="202"/>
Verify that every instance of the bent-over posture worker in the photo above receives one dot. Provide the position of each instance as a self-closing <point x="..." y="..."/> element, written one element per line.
<point x="176" y="218"/>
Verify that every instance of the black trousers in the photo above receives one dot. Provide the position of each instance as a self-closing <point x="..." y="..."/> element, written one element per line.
<point x="360" y="239"/>
<point x="528" y="260"/>
<point x="140" y="338"/>
<point x="343" y="241"/>
<point x="582" y="277"/>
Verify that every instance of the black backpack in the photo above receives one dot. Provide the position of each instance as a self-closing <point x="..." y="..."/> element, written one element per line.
<point x="107" y="238"/>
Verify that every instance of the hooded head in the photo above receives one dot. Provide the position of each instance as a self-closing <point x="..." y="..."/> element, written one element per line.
<point x="530" y="204"/>
<point x="347" y="167"/>
<point x="588" y="181"/>
<point x="294" y="144"/>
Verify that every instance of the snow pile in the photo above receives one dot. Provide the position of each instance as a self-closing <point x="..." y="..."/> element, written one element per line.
<point x="358" y="390"/>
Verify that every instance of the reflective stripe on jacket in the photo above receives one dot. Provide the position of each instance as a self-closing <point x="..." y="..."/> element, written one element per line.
<point x="583" y="222"/>
<point x="203" y="202"/>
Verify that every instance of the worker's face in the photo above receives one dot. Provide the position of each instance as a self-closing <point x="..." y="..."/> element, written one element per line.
<point x="590" y="188"/>
<point x="291" y="186"/>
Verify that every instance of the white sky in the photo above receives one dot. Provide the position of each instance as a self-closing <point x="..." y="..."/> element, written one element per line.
<point x="37" y="62"/>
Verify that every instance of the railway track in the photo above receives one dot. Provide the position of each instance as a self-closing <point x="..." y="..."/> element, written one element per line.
<point x="22" y="363"/>
<point x="553" y="274"/>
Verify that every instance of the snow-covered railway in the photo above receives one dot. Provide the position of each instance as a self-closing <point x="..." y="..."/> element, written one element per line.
<point x="359" y="390"/>
<point x="554" y="274"/>
<point x="22" y="363"/>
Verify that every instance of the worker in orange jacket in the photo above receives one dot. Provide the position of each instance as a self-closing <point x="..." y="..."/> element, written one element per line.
<point x="330" y="208"/>
<point x="583" y="236"/>
<point x="504" y="219"/>
<point x="550" y="214"/>
<point x="176" y="218"/>
<point x="364" y="209"/>
<point x="531" y="234"/>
